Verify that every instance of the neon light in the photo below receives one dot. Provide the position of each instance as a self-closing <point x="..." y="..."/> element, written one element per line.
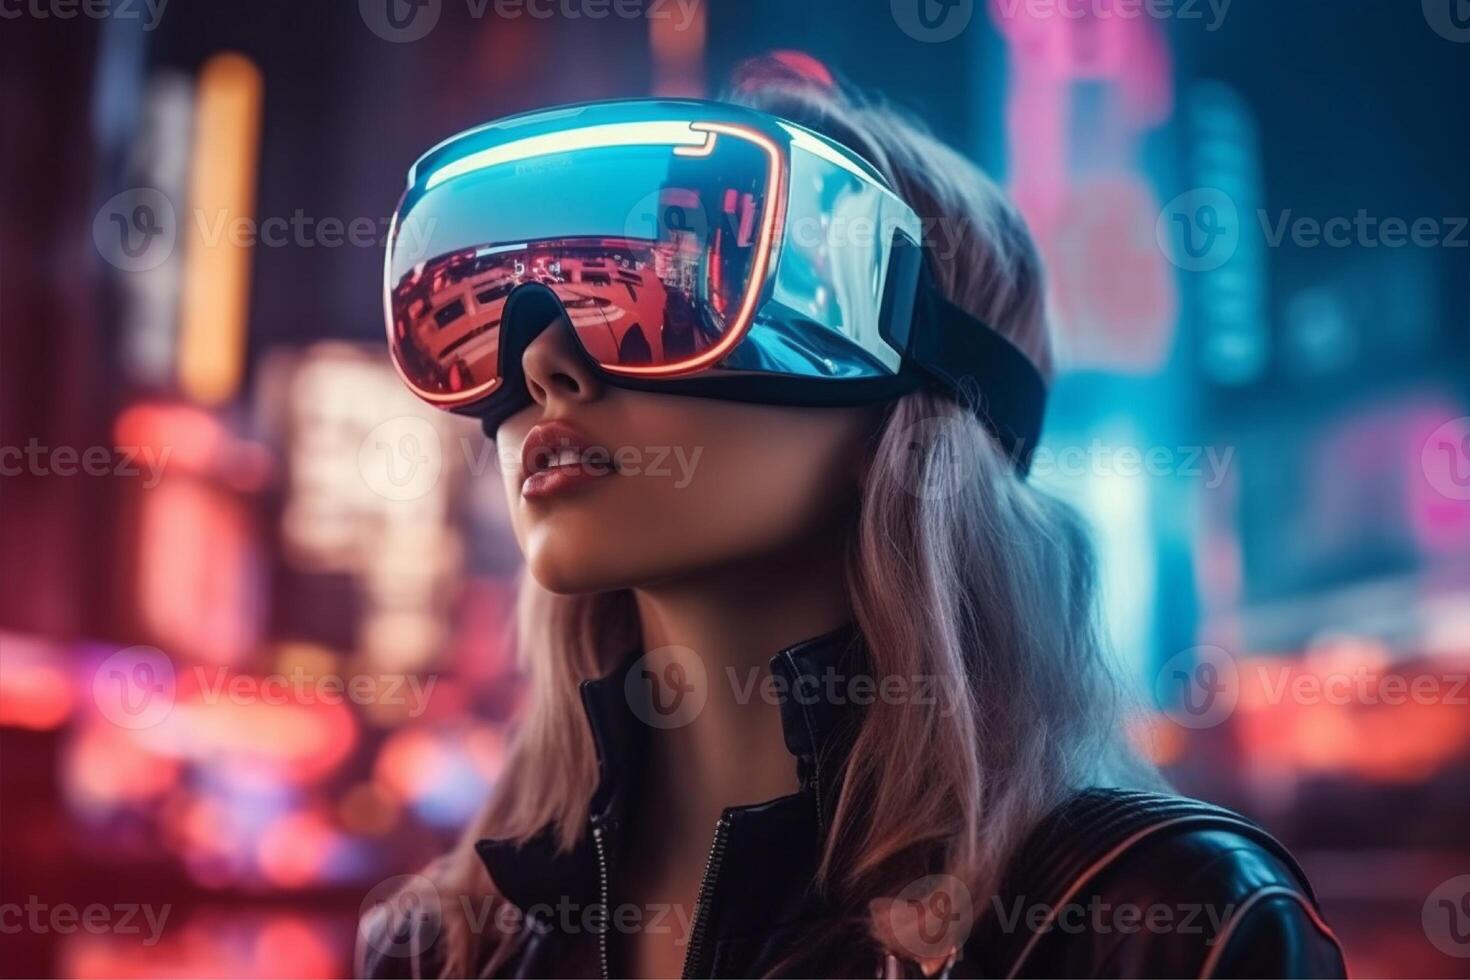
<point x="808" y="142"/>
<point x="480" y="253"/>
<point x="678" y="53"/>
<point x="760" y="265"/>
<point x="215" y="297"/>
<point x="677" y="134"/>
<point x="697" y="151"/>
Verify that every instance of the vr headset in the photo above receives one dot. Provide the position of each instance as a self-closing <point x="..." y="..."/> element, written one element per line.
<point x="696" y="248"/>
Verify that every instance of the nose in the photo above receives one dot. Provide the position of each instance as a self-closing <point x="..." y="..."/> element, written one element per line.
<point x="557" y="372"/>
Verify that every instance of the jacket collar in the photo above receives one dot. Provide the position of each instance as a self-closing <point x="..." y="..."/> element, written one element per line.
<point x="817" y="698"/>
<point x="818" y="721"/>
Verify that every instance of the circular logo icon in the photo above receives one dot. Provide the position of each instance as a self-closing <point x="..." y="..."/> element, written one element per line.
<point x="929" y="920"/>
<point x="672" y="217"/>
<point x="1198" y="687"/>
<point x="1446" y="917"/>
<point x="1199" y="230"/>
<point x="400" y="21"/>
<point x="136" y="230"/>
<point x="1445" y="459"/>
<point x="135" y="687"/>
<point x="401" y="459"/>
<point x="400" y="916"/>
<point x="932" y="21"/>
<point x="667" y="687"/>
<point x="936" y="463"/>
<point x="1449" y="18"/>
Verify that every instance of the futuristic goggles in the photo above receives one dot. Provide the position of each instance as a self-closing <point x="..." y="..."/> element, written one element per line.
<point x="696" y="248"/>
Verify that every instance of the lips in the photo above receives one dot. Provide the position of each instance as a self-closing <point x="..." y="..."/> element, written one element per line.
<point x="556" y="459"/>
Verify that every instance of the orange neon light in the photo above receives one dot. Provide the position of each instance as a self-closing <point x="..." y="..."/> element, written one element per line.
<point x="703" y="150"/>
<point x="214" y="302"/>
<point x="760" y="266"/>
<point x="454" y="399"/>
<point x="774" y="184"/>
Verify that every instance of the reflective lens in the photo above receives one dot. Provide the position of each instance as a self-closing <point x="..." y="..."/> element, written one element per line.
<point x="656" y="236"/>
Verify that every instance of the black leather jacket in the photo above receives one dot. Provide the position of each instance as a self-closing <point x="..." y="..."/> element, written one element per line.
<point x="1119" y="884"/>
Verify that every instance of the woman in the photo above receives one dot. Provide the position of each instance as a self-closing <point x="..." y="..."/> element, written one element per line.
<point x="815" y="684"/>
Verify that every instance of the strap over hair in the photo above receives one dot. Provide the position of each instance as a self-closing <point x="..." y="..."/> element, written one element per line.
<point x="971" y="361"/>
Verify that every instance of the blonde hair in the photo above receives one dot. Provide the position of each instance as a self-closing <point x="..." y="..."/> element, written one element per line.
<point x="998" y="597"/>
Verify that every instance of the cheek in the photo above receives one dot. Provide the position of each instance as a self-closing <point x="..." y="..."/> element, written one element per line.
<point x="762" y="487"/>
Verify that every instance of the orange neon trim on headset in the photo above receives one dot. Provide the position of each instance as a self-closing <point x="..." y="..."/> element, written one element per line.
<point x="702" y="150"/>
<point x="456" y="399"/>
<point x="775" y="183"/>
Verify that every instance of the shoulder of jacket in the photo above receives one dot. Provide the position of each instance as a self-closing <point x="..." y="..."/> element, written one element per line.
<point x="1213" y="902"/>
<point x="1136" y="884"/>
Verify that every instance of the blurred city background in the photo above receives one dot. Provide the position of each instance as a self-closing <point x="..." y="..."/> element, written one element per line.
<point x="244" y="682"/>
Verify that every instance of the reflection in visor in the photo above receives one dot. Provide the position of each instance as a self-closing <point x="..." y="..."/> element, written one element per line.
<point x="656" y="255"/>
<point x="632" y="303"/>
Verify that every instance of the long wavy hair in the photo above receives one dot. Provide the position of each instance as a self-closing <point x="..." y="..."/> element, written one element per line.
<point x="998" y="594"/>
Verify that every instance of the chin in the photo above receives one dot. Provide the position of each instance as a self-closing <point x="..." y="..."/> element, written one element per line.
<point x="583" y="565"/>
<point x="563" y="581"/>
<point x="566" y="569"/>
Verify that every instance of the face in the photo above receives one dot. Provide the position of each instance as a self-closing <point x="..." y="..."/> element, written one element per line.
<point x="611" y="489"/>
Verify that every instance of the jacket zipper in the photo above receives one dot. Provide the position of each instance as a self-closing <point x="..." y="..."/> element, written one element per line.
<point x="694" y="956"/>
<point x="606" y="911"/>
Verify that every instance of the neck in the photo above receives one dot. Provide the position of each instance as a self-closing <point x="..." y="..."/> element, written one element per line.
<point x="734" y="620"/>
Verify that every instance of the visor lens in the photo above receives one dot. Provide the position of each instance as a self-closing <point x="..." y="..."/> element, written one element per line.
<point x="656" y="249"/>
